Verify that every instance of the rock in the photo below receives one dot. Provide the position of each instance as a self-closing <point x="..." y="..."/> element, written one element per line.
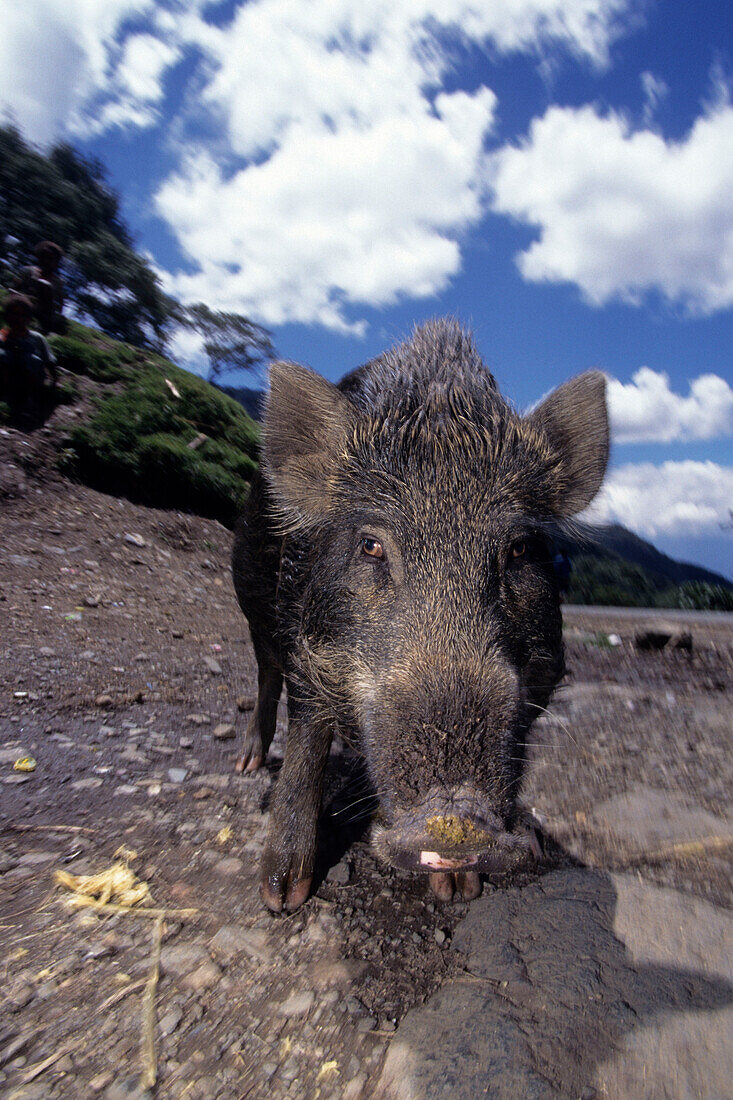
<point x="246" y="702"/>
<point x="213" y="666"/>
<point x="104" y="701"/>
<point x="198" y="719"/>
<point x="182" y="958"/>
<point x="135" y="540"/>
<point x="340" y="874"/>
<point x="101" y="1080"/>
<point x="203" y="977"/>
<point x="170" y="1020"/>
<point x="366" y="1023"/>
<point x="177" y="775"/>
<point x="224" y="731"/>
<point x="233" y="939"/>
<point x="646" y="969"/>
<point x="230" y="865"/>
<point x="647" y="821"/>
<point x="185" y="742"/>
<point x="439" y="935"/>
<point x="299" y="1004"/>
<point x="86" y="784"/>
<point x="354" y="1006"/>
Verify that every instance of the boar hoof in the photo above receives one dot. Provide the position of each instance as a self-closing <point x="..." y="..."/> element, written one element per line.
<point x="445" y="884"/>
<point x="252" y="755"/>
<point x="282" y="889"/>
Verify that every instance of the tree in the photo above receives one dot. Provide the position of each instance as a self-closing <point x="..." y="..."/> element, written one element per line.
<point x="64" y="197"/>
<point x="231" y="341"/>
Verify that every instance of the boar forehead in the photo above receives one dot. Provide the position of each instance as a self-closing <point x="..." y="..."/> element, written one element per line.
<point x="432" y="422"/>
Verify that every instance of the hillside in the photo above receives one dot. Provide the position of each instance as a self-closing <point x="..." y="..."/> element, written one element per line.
<point x="618" y="540"/>
<point x="129" y="422"/>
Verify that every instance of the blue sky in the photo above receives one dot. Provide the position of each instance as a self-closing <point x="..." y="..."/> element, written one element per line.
<point x="558" y="175"/>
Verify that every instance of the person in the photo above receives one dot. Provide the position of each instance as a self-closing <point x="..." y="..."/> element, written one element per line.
<point x="43" y="285"/>
<point x="25" y="357"/>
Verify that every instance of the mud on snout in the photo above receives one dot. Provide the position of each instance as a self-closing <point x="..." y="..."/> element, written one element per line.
<point x="455" y="834"/>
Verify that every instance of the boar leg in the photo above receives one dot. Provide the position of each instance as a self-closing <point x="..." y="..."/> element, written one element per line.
<point x="261" y="726"/>
<point x="290" y="854"/>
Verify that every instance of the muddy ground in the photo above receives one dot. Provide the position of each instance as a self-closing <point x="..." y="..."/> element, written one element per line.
<point x="126" y="673"/>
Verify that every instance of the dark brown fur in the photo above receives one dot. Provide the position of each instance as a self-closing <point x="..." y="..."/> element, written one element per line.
<point x="435" y="658"/>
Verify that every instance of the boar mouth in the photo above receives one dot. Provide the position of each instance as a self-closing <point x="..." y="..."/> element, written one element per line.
<point x="497" y="853"/>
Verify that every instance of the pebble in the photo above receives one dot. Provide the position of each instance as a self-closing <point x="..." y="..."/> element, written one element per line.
<point x="230" y="865"/>
<point x="104" y="700"/>
<point x="182" y="958"/>
<point x="203" y="977"/>
<point x="224" y="731"/>
<point x="198" y="719"/>
<point x="135" y="540"/>
<point x="170" y="1020"/>
<point x="439" y="935"/>
<point x="185" y="742"/>
<point x="299" y="1004"/>
<point x="354" y="1006"/>
<point x="101" y="1080"/>
<point x="177" y="775"/>
<point x="340" y="874"/>
<point x="86" y="784"/>
<point x="213" y="666"/>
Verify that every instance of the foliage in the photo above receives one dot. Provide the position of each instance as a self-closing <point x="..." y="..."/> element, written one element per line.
<point x="231" y="341"/>
<point x="701" y="596"/>
<point x="136" y="442"/>
<point x="611" y="582"/>
<point x="64" y="197"/>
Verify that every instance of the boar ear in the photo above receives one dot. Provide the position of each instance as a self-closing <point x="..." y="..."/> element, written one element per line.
<point x="574" y="420"/>
<point x="307" y="420"/>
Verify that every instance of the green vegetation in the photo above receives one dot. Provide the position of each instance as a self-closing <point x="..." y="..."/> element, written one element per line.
<point x="156" y="433"/>
<point x="704" y="597"/>
<point x="604" y="578"/>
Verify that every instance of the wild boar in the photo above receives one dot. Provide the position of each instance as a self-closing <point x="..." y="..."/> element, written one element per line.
<point x="394" y="565"/>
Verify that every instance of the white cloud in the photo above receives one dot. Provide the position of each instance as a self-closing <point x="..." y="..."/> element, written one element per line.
<point x="362" y="215"/>
<point x="680" y="498"/>
<point x="338" y="172"/>
<point x="655" y="92"/>
<point x="359" y="180"/>
<point x="646" y="410"/>
<point x="56" y="56"/>
<point x="622" y="212"/>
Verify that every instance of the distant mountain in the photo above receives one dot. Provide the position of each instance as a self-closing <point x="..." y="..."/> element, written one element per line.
<point x="615" y="541"/>
<point x="251" y="400"/>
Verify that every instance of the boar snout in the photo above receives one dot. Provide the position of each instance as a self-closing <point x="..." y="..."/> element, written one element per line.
<point x="454" y="839"/>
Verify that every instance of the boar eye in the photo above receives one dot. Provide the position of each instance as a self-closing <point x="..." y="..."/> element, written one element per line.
<point x="519" y="550"/>
<point x="372" y="548"/>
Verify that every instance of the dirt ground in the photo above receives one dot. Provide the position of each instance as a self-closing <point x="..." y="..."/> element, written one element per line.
<point x="125" y="674"/>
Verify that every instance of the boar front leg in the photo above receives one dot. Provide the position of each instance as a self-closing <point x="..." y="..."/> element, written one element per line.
<point x="290" y="854"/>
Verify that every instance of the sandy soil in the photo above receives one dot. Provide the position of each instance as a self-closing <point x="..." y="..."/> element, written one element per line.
<point x="126" y="671"/>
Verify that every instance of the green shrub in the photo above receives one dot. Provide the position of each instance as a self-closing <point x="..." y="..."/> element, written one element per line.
<point x="136" y="441"/>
